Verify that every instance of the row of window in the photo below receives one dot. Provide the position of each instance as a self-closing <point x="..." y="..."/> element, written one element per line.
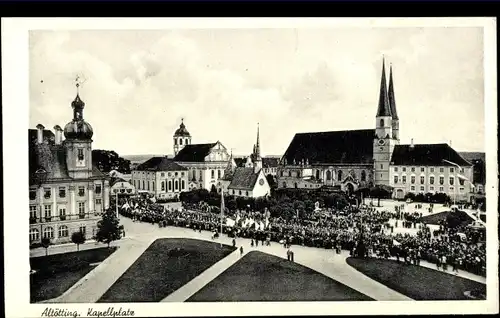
<point x="115" y="191"/>
<point x="431" y="169"/>
<point x="329" y="175"/>
<point x="239" y="192"/>
<point x="186" y="142"/>
<point x="431" y="188"/>
<point x="48" y="232"/>
<point x="47" y="192"/>
<point x="150" y="185"/>
<point x="47" y="209"/>
<point x="451" y="180"/>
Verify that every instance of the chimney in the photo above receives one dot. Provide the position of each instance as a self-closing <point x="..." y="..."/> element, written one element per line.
<point x="39" y="135"/>
<point x="411" y="144"/>
<point x="58" y="132"/>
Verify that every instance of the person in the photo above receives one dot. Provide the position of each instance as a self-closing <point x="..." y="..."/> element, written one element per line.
<point x="288" y="254"/>
<point x="445" y="265"/>
<point x="251" y="243"/>
<point x="234" y="243"/>
<point x="241" y="250"/>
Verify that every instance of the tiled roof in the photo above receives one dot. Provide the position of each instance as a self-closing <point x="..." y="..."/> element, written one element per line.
<point x="194" y="152"/>
<point x="426" y="155"/>
<point x="160" y="164"/>
<point x="243" y="179"/>
<point x="49" y="157"/>
<point x="332" y="147"/>
<point x="268" y="162"/>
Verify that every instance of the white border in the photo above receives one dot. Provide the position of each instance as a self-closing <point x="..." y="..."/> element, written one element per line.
<point x="15" y="123"/>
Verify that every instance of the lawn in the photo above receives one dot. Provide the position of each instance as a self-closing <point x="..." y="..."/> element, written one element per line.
<point x="57" y="273"/>
<point x="161" y="269"/>
<point x="416" y="282"/>
<point x="262" y="277"/>
<point x="437" y="218"/>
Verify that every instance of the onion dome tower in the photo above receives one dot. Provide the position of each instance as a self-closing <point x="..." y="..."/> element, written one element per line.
<point x="182" y="137"/>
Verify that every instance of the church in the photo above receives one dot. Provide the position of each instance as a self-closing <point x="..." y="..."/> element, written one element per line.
<point x="352" y="159"/>
<point x="67" y="193"/>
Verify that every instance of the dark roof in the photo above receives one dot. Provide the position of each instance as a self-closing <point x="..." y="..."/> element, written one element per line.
<point x="332" y="147"/>
<point x="384" y="109"/>
<point x="194" y="152"/>
<point x="270" y="162"/>
<point x="243" y="179"/>
<point x="160" y="164"/>
<point x="182" y="131"/>
<point x="49" y="157"/>
<point x="426" y="155"/>
<point x="473" y="156"/>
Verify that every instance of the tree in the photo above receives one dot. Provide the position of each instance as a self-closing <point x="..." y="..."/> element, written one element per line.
<point x="78" y="238"/>
<point x="108" y="229"/>
<point x="271" y="181"/>
<point x="46" y="243"/>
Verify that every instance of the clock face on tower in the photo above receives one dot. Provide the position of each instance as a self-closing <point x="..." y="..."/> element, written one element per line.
<point x="261" y="182"/>
<point x="381" y="142"/>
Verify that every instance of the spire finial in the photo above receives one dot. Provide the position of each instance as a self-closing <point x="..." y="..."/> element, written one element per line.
<point x="77" y="80"/>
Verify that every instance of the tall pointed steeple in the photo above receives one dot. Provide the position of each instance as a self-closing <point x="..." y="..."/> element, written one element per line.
<point x="384" y="109"/>
<point x="392" y="97"/>
<point x="257" y="145"/>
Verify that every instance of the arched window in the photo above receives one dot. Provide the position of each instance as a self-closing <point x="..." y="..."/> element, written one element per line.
<point x="363" y="175"/>
<point x="176" y="185"/>
<point x="143" y="185"/>
<point x="212" y="173"/>
<point x="328" y="175"/>
<point x="339" y="175"/>
<point x="180" y="142"/>
<point x="175" y="141"/>
<point x="289" y="173"/>
<point x="34" y="235"/>
<point x="284" y="184"/>
<point x="298" y="174"/>
<point x="186" y="141"/>
<point x="218" y="174"/>
<point x="183" y="185"/>
<point x="317" y="174"/>
<point x="382" y="123"/>
<point x="153" y="187"/>
<point x="63" y="231"/>
<point x="48" y="232"/>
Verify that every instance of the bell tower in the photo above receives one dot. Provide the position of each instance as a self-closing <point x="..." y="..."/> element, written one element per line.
<point x="385" y="139"/>
<point x="182" y="137"/>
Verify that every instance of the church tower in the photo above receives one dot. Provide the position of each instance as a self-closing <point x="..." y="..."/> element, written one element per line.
<point x="392" y="104"/>
<point x="256" y="154"/>
<point x="182" y="137"/>
<point x="78" y="142"/>
<point x="384" y="141"/>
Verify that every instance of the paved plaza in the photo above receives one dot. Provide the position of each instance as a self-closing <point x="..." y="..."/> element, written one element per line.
<point x="140" y="235"/>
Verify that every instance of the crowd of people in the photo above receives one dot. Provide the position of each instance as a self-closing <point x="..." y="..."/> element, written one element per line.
<point x="365" y="232"/>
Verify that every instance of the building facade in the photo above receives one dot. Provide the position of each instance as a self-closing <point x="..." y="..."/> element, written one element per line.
<point x="161" y="177"/>
<point x="122" y="187"/>
<point x="354" y="159"/>
<point x="67" y="193"/>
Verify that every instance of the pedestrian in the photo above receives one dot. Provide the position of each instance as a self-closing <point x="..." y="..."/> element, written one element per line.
<point x="288" y="254"/>
<point x="251" y="243"/>
<point x="241" y="250"/>
<point x="234" y="243"/>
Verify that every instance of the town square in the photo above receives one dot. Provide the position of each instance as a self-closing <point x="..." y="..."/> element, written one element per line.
<point x="257" y="165"/>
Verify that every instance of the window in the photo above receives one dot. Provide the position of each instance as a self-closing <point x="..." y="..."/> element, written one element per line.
<point x="183" y="185"/>
<point x="363" y="175"/>
<point x="81" y="209"/>
<point x="432" y="169"/>
<point x="422" y="188"/>
<point x="404" y="169"/>
<point x="163" y="186"/>
<point x="34" y="235"/>
<point x="212" y="173"/>
<point x="99" y="201"/>
<point x="452" y="189"/>
<point x="381" y="166"/>
<point x="62" y="192"/>
<point x="412" y="169"/>
<point x="462" y="189"/>
<point x="47" y="209"/>
<point x="122" y="190"/>
<point x="115" y="190"/>
<point x="176" y="173"/>
<point x="317" y="174"/>
<point x="422" y="169"/>
<point x="441" y="169"/>
<point x="81" y="191"/>
<point x="63" y="231"/>
<point x="240" y="192"/>
<point x="452" y="169"/>
<point x="175" y="142"/>
<point x="382" y="123"/>
<point x="62" y="213"/>
<point x="32" y="194"/>
<point x="412" y="179"/>
<point x="129" y="190"/>
<point x="83" y="230"/>
<point x="289" y="173"/>
<point x="182" y="174"/>
<point x="395" y="169"/>
<point x="403" y="179"/>
<point x="180" y="142"/>
<point x="218" y="174"/>
<point x="48" y="232"/>
<point x="284" y="184"/>
<point x="246" y="193"/>
<point x="176" y="185"/>
<point x="153" y="187"/>
<point x="431" y="188"/>
<point x="80" y="154"/>
<point x="170" y="185"/>
<point x="339" y="175"/>
<point x="422" y="179"/>
<point x="282" y="173"/>
<point x="143" y="185"/>
<point x="461" y="181"/>
<point x="328" y="175"/>
<point x="395" y="179"/>
<point x="163" y="174"/>
<point x="441" y="189"/>
<point x="298" y="174"/>
<point x="33" y="211"/>
<point x="431" y="179"/>
<point x="412" y="188"/>
<point x="98" y="189"/>
<point x="46" y="193"/>
<point x="452" y="180"/>
<point x="441" y="180"/>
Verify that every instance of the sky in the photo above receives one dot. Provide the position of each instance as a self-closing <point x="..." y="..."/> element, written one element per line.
<point x="137" y="85"/>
